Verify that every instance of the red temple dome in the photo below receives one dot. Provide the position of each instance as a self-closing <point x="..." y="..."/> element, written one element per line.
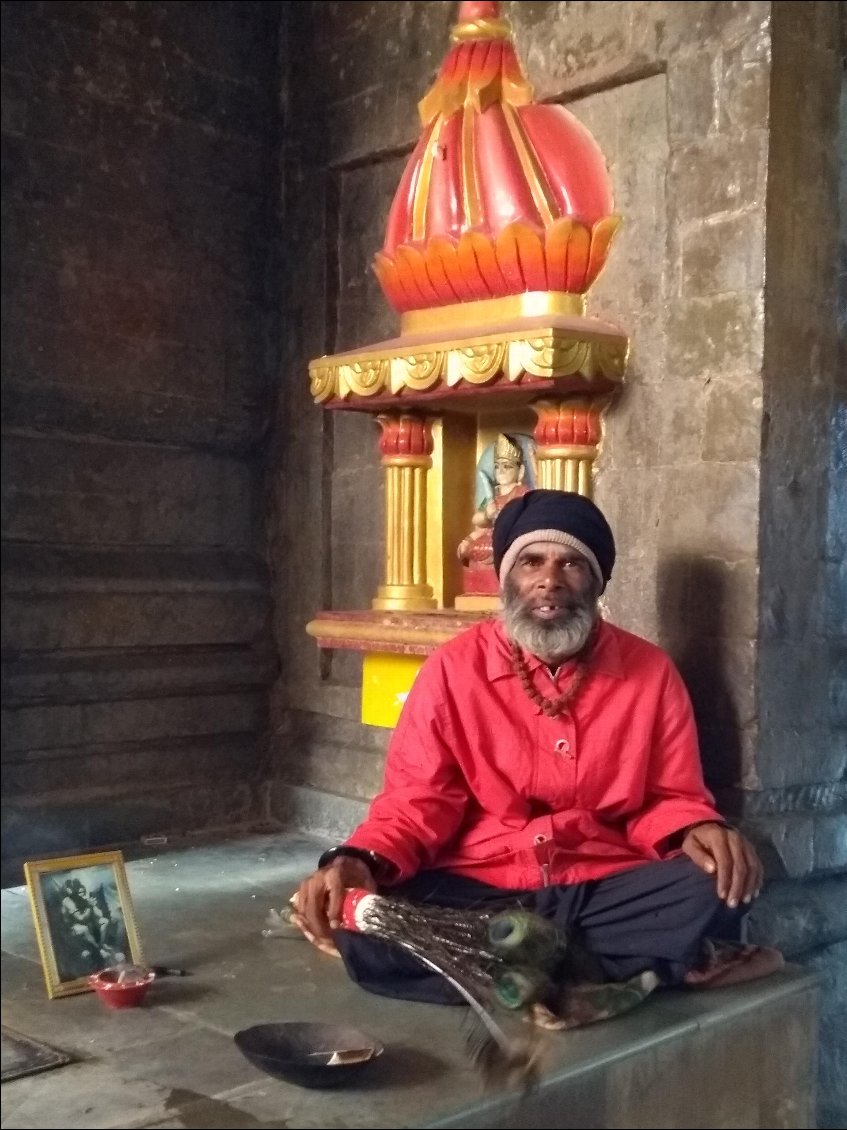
<point x="502" y="194"/>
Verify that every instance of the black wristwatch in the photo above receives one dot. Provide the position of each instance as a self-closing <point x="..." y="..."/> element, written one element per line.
<point x="378" y="866"/>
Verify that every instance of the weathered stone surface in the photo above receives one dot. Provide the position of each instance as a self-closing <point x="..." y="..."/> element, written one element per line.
<point x="800" y="918"/>
<point x="318" y="812"/>
<point x="44" y="732"/>
<point x="631" y="288"/>
<point x="800" y="480"/>
<point x="558" y="45"/>
<point x="745" y="84"/>
<point x="830" y="963"/>
<point x="719" y="599"/>
<point x="629" y="498"/>
<point x="787" y="844"/>
<point x="99" y="677"/>
<point x="808" y="922"/>
<point x="720" y="676"/>
<point x="159" y="418"/>
<point x="674" y="30"/>
<point x="354" y="115"/>
<point x="123" y="767"/>
<point x="838" y="680"/>
<point x="322" y="744"/>
<point x="732" y="426"/>
<point x="88" y="492"/>
<point x="793" y="753"/>
<point x="79" y="619"/>
<point x="630" y="599"/>
<point x="139" y="268"/>
<point x="39" y="826"/>
<point x="694" y="82"/>
<point x="710" y="510"/>
<point x="829" y="797"/>
<point x="728" y="754"/>
<point x="712" y="336"/>
<point x="357" y="544"/>
<point x="309" y="682"/>
<point x="725" y="255"/>
<point x="363" y="315"/>
<point x="698" y="180"/>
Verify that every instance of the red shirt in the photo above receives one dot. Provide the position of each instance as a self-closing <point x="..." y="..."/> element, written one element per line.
<point x="479" y="781"/>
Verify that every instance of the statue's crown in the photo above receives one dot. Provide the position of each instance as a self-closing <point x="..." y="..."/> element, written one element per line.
<point x="507" y="448"/>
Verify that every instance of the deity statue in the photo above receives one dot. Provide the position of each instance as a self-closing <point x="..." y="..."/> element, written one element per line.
<point x="475" y="551"/>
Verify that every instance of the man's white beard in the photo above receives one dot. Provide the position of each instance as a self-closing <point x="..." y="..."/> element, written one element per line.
<point x="550" y="641"/>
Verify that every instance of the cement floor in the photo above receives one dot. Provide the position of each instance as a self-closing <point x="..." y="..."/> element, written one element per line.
<point x="173" y="1063"/>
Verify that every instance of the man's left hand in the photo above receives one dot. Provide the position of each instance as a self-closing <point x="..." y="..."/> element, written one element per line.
<point x="731" y="858"/>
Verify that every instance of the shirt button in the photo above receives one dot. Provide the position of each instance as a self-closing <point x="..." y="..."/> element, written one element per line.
<point x="562" y="746"/>
<point x="540" y="839"/>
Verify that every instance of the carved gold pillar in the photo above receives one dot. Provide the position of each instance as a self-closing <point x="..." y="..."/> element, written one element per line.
<point x="406" y="448"/>
<point x="567" y="438"/>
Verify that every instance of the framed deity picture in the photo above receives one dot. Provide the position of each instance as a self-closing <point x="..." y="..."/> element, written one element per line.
<point x="84" y="919"/>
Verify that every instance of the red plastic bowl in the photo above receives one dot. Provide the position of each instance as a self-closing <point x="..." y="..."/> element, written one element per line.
<point x="122" y="988"/>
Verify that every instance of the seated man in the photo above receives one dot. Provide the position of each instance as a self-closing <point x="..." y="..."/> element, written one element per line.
<point x="551" y="758"/>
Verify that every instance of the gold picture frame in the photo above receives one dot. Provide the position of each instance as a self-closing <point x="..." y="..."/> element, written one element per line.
<point x="84" y="919"/>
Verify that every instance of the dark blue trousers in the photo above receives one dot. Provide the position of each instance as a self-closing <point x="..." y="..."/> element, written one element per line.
<point x="650" y="917"/>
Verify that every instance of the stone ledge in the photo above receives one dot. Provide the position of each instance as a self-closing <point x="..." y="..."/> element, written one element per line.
<point x="647" y="1069"/>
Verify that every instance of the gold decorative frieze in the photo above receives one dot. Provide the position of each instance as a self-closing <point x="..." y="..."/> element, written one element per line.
<point x="548" y="355"/>
<point x="594" y="353"/>
<point x="365" y="377"/>
<point x="417" y="371"/>
<point x="610" y="360"/>
<point x="476" y="364"/>
<point x="322" y="381"/>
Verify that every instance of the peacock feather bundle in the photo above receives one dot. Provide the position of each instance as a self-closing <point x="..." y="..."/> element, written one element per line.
<point x="499" y="961"/>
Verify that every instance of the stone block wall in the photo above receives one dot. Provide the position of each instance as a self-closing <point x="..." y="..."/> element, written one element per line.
<point x="140" y="330"/>
<point x="720" y="469"/>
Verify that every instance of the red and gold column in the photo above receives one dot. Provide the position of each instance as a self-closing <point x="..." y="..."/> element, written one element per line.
<point x="406" y="448"/>
<point x="567" y="438"/>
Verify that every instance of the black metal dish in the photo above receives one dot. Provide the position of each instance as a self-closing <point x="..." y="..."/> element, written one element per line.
<point x="308" y="1054"/>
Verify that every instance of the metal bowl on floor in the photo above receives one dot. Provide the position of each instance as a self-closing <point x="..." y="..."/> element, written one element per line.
<point x="309" y="1054"/>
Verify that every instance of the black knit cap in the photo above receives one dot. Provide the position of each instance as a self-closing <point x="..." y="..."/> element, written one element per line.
<point x="554" y="515"/>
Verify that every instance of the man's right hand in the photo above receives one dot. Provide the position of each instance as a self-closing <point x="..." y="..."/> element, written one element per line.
<point x="319" y="898"/>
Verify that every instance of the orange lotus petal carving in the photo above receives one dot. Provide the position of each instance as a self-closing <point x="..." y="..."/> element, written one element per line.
<point x="438" y="275"/>
<point x="532" y="257"/>
<point x="489" y="267"/>
<point x="557" y="238"/>
<point x="469" y="266"/>
<point x="567" y="257"/>
<point x="578" y="249"/>
<point x="601" y="239"/>
<point x="509" y="259"/>
<point x="406" y="277"/>
<point x="446" y="251"/>
<point x="413" y="260"/>
<point x="384" y="270"/>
